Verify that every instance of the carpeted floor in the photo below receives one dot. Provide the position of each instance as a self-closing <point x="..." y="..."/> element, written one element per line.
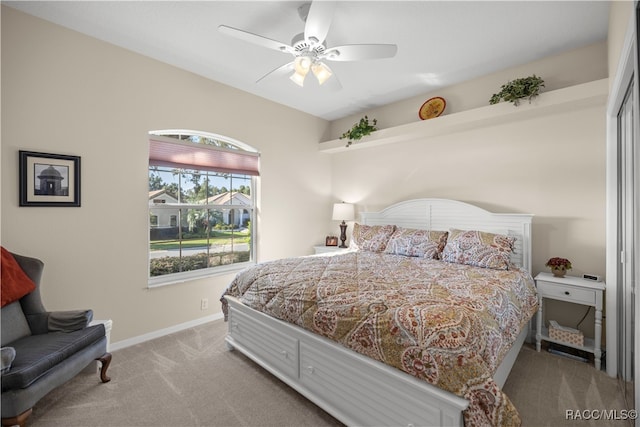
<point x="191" y="379"/>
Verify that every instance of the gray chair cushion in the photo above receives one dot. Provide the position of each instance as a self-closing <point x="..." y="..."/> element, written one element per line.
<point x="36" y="354"/>
<point x="14" y="323"/>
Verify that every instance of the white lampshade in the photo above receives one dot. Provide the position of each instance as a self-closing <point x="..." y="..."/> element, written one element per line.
<point x="321" y="71"/>
<point x="302" y="65"/>
<point x="343" y="212"/>
<point x="298" y="79"/>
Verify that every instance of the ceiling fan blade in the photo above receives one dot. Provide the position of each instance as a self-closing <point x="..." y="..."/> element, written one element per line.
<point x="359" y="52"/>
<point x="256" y="39"/>
<point x="318" y="21"/>
<point x="282" y="70"/>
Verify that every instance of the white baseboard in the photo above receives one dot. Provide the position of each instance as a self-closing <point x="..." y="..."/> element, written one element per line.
<point x="162" y="332"/>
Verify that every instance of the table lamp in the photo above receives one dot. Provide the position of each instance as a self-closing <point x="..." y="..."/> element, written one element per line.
<point x="343" y="212"/>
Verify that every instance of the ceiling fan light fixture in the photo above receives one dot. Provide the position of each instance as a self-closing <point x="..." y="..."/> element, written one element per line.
<point x="298" y="78"/>
<point x="321" y="71"/>
<point x="302" y="65"/>
<point x="309" y="48"/>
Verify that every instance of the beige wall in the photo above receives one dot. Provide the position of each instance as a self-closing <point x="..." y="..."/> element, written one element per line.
<point x="558" y="71"/>
<point x="620" y="15"/>
<point x="552" y="166"/>
<point x="66" y="93"/>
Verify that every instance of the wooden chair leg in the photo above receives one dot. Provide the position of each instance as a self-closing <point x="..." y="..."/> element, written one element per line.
<point x="105" y="359"/>
<point x="19" y="420"/>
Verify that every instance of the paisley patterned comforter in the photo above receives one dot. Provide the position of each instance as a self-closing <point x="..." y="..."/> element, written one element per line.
<point x="445" y="323"/>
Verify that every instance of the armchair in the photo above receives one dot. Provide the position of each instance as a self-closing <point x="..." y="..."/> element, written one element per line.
<point x="47" y="348"/>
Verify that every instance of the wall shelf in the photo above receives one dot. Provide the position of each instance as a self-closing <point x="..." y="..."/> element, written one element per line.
<point x="570" y="98"/>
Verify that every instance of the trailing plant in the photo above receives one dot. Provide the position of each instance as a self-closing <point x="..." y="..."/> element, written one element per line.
<point x="514" y="91"/>
<point x="360" y="129"/>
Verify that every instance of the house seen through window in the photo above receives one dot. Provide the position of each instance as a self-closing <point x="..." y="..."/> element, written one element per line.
<point x="201" y="205"/>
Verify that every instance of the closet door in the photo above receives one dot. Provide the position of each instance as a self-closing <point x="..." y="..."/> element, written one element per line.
<point x="627" y="243"/>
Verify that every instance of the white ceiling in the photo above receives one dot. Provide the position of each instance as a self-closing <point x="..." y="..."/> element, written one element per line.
<point x="439" y="42"/>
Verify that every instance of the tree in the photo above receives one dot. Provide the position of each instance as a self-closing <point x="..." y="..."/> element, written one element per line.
<point x="155" y="181"/>
<point x="193" y="217"/>
<point x="173" y="191"/>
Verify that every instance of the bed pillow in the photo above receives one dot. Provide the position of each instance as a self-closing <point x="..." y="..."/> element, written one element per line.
<point x="372" y="238"/>
<point x="417" y="243"/>
<point x="478" y="248"/>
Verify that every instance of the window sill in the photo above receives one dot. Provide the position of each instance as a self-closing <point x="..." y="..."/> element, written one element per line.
<point x="189" y="276"/>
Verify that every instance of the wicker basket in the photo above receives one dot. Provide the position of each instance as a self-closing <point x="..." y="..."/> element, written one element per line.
<point x="565" y="334"/>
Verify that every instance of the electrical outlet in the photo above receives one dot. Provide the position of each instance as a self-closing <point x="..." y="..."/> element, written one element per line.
<point x="204" y="304"/>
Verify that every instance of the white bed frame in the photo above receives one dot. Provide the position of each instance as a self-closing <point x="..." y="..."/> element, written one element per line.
<point x="355" y="389"/>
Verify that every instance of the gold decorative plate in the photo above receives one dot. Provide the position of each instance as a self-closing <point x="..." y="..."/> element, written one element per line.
<point x="433" y="107"/>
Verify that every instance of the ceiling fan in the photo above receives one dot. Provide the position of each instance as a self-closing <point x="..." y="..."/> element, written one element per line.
<point x="309" y="48"/>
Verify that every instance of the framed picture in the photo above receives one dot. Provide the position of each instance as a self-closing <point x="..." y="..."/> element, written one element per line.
<point x="49" y="179"/>
<point x="331" y="241"/>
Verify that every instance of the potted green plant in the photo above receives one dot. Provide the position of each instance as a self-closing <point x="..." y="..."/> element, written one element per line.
<point x="515" y="90"/>
<point x="360" y="129"/>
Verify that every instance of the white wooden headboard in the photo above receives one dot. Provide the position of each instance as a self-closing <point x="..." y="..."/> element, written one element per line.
<point x="443" y="214"/>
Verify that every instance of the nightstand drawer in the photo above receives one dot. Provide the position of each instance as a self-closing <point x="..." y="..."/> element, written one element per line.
<point x="567" y="293"/>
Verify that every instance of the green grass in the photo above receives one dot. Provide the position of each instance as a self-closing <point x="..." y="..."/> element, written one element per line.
<point x="219" y="238"/>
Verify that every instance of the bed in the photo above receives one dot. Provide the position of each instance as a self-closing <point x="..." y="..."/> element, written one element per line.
<point x="420" y="325"/>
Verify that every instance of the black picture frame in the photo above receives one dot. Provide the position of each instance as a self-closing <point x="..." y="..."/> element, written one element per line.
<point x="49" y="179"/>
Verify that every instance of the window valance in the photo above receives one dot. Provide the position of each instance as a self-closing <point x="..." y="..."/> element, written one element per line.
<point x="172" y="153"/>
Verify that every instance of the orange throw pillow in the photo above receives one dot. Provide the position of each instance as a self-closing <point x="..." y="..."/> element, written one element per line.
<point x="15" y="282"/>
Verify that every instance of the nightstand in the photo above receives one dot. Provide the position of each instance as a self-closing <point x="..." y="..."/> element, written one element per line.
<point x="321" y="249"/>
<point x="577" y="291"/>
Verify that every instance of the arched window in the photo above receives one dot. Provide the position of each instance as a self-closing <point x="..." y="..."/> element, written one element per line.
<point x="198" y="184"/>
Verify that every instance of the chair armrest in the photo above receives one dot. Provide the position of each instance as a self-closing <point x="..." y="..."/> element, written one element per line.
<point x="7" y="355"/>
<point x="67" y="321"/>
